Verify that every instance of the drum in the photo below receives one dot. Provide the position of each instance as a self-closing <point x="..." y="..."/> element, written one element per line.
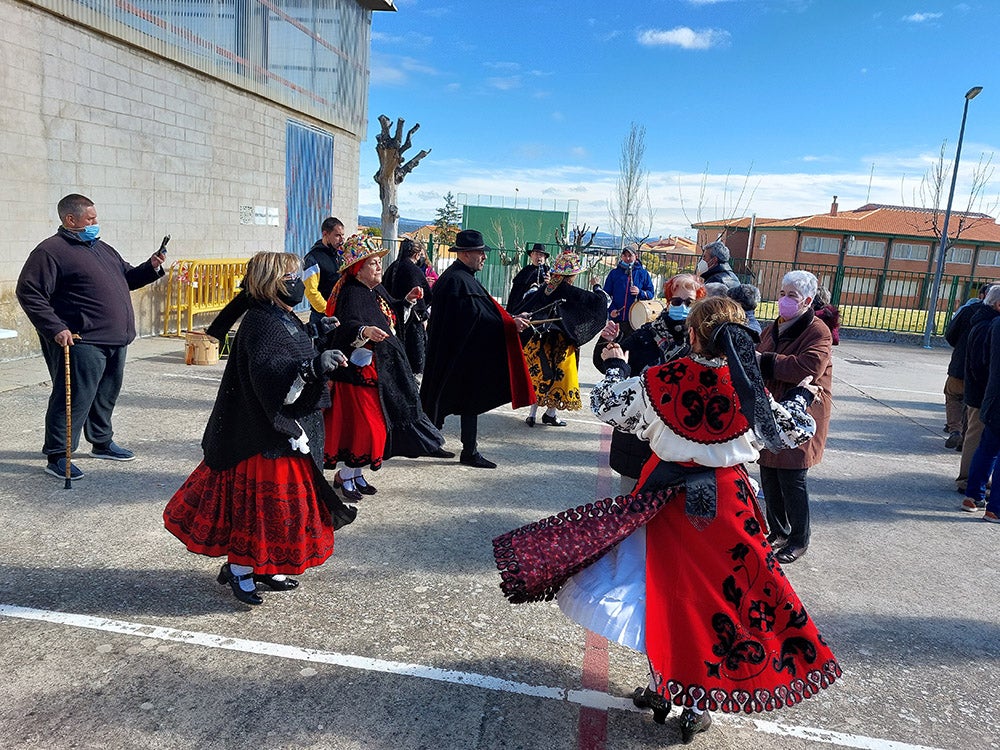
<point x="645" y="311"/>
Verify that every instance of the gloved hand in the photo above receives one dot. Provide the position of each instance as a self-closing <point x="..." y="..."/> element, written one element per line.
<point x="329" y="361"/>
<point x="326" y="325"/>
<point x="301" y="443"/>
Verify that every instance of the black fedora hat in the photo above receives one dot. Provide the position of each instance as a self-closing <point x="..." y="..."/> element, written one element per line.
<point x="538" y="247"/>
<point x="468" y="239"/>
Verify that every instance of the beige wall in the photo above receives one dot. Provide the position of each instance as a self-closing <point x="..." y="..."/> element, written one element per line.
<point x="159" y="148"/>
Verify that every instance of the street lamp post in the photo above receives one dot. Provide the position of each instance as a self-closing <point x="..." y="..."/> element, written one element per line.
<point x="943" y="248"/>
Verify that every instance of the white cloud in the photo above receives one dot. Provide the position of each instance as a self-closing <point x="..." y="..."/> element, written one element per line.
<point x="684" y="37"/>
<point x="504" y="83"/>
<point x="922" y="17"/>
<point x="675" y="195"/>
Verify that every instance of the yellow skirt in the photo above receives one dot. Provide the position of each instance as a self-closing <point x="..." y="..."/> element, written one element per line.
<point x="553" y="369"/>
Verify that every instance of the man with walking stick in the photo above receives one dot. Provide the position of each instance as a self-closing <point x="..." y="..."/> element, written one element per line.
<point x="74" y="288"/>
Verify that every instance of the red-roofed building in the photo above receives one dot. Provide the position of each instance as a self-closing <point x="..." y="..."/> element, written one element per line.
<point x="875" y="236"/>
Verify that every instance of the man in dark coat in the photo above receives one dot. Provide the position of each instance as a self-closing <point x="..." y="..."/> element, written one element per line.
<point x="957" y="335"/>
<point x="403" y="275"/>
<point x="474" y="357"/>
<point x="975" y="347"/>
<point x="536" y="273"/>
<point x="714" y="265"/>
<point x="76" y="285"/>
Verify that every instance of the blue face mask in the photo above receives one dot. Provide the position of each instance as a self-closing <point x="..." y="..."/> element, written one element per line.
<point x="678" y="312"/>
<point x="90" y="233"/>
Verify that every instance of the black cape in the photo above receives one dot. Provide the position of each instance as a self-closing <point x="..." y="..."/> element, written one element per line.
<point x="467" y="369"/>
<point x="400" y="277"/>
<point x="271" y="351"/>
<point x="522" y="282"/>
<point x="409" y="432"/>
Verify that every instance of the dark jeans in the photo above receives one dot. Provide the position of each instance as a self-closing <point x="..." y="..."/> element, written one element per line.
<point x="984" y="462"/>
<point x="95" y="381"/>
<point x="787" y="499"/>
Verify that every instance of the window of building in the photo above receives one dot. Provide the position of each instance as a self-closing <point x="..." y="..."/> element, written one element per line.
<point x="989" y="258"/>
<point x="906" y="251"/>
<point x="828" y="245"/>
<point x="763" y="241"/>
<point x="959" y="255"/>
<point x="866" y="248"/>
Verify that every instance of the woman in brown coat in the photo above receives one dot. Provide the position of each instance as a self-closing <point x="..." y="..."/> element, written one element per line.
<point x="794" y="346"/>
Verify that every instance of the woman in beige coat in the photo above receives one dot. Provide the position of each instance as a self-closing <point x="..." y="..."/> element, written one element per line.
<point x="794" y="346"/>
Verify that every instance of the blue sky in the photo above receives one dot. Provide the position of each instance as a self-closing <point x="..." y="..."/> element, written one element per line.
<point x="775" y="106"/>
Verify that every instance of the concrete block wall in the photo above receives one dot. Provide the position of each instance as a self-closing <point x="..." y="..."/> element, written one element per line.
<point x="159" y="148"/>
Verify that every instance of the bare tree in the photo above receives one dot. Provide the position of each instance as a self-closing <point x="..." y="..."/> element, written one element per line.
<point x="932" y="195"/>
<point x="730" y="212"/>
<point x="392" y="170"/>
<point x="509" y="255"/>
<point x="630" y="208"/>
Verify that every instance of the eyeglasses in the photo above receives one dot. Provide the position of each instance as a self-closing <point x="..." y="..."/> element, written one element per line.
<point x="675" y="301"/>
<point x="291" y="277"/>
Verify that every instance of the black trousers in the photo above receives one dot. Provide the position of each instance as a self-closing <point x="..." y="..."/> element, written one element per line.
<point x="470" y="431"/>
<point x="96" y="374"/>
<point x="787" y="499"/>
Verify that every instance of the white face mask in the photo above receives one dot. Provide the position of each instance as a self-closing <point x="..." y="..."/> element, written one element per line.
<point x="702" y="266"/>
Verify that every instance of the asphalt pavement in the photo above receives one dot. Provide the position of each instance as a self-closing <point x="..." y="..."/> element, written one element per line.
<point x="113" y="636"/>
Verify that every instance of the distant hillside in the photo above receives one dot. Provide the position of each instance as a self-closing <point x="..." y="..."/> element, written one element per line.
<point x="405" y="225"/>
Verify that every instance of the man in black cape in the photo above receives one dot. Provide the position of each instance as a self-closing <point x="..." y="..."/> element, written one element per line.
<point x="474" y="357"/>
<point x="536" y="274"/>
<point x="403" y="275"/>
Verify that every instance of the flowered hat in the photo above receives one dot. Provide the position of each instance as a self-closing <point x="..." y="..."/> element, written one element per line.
<point x="356" y="248"/>
<point x="567" y="264"/>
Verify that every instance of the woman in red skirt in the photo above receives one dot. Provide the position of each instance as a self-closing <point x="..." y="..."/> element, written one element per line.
<point x="681" y="569"/>
<point x="375" y="411"/>
<point x="259" y="497"/>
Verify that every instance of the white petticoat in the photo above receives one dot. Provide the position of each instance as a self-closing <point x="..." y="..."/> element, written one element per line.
<point x="609" y="596"/>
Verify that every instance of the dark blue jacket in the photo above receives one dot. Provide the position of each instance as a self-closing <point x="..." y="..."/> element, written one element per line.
<point x="977" y="354"/>
<point x="617" y="287"/>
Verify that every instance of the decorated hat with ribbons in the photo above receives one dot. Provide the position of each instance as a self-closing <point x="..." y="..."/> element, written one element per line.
<point x="356" y="248"/>
<point x="567" y="264"/>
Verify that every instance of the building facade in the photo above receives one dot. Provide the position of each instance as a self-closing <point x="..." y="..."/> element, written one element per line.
<point x="232" y="125"/>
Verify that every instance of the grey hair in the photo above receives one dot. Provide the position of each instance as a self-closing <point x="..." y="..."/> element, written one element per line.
<point x="822" y="297"/>
<point x="993" y="295"/>
<point x="718" y="250"/>
<point x="746" y="295"/>
<point x="716" y="289"/>
<point x="803" y="282"/>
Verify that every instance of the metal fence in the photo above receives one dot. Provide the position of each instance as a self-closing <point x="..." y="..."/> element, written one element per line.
<point x="870" y="298"/>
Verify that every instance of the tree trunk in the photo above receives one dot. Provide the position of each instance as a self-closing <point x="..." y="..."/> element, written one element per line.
<point x="391" y="172"/>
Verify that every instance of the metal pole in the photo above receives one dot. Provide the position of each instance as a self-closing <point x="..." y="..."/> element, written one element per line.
<point x="943" y="247"/>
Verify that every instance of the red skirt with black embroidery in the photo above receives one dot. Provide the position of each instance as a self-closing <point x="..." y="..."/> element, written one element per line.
<point x="355" y="426"/>
<point x="264" y="512"/>
<point x="724" y="629"/>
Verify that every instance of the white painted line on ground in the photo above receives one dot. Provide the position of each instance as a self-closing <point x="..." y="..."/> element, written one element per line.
<point x="588" y="698"/>
<point x="185" y="376"/>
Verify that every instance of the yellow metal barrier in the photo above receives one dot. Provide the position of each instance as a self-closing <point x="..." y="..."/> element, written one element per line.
<point x="197" y="286"/>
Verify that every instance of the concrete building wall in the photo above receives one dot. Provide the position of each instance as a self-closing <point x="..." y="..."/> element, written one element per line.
<point x="158" y="147"/>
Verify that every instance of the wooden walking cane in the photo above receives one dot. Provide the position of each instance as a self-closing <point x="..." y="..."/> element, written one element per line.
<point x="69" y="421"/>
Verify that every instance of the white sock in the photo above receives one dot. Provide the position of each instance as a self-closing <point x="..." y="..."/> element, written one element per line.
<point x="533" y="411"/>
<point x="696" y="711"/>
<point x="360" y="481"/>
<point x="246" y="584"/>
<point x="550" y="412"/>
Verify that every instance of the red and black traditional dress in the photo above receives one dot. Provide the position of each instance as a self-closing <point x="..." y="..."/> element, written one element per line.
<point x="681" y="570"/>
<point x="253" y="499"/>
<point x="375" y="411"/>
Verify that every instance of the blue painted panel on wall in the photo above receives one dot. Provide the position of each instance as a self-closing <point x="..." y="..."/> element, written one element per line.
<point x="308" y="186"/>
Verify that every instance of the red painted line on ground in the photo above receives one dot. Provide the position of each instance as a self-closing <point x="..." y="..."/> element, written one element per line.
<point x="592" y="728"/>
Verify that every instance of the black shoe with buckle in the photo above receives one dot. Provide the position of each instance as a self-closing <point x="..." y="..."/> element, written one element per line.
<point x="643" y="697"/>
<point x="247" y="597"/>
<point x="276" y="584"/>
<point x="692" y="724"/>
<point x="553" y="421"/>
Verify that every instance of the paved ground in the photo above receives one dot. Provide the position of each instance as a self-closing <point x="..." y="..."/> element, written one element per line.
<point x="113" y="636"/>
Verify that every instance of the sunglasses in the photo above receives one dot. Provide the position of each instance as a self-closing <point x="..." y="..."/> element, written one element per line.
<point x="675" y="301"/>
